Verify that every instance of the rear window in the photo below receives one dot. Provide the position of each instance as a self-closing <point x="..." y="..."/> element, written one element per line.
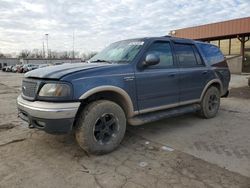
<point x="212" y="53"/>
<point x="187" y="55"/>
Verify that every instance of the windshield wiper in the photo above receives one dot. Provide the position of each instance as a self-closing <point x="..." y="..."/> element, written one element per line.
<point x="101" y="60"/>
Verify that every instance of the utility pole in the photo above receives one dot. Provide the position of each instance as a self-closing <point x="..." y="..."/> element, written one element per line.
<point x="73" y="50"/>
<point x="47" y="40"/>
<point x="43" y="51"/>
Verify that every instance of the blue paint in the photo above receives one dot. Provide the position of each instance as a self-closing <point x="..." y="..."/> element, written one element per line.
<point x="152" y="86"/>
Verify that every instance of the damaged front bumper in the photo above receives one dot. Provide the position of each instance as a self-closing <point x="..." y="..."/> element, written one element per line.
<point x="52" y="117"/>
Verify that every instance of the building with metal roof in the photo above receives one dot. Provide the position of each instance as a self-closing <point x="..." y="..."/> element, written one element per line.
<point x="231" y="36"/>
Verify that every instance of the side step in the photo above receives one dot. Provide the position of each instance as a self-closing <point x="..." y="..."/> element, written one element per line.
<point x="155" y="116"/>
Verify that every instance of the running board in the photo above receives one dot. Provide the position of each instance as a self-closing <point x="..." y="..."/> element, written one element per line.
<point x="158" y="115"/>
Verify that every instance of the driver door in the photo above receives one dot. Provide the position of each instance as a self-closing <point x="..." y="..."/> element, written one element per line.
<point x="158" y="85"/>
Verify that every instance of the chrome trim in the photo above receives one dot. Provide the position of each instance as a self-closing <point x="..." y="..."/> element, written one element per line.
<point x="115" y="89"/>
<point x="48" y="110"/>
<point x="209" y="84"/>
<point x="164" y="107"/>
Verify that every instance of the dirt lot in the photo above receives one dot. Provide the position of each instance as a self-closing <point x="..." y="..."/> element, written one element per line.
<point x="206" y="153"/>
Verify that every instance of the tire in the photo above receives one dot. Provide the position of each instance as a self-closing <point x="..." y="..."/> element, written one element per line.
<point x="100" y="127"/>
<point x="210" y="103"/>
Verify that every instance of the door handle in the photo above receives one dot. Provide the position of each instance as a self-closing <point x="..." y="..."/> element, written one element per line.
<point x="171" y="75"/>
<point x="204" y="72"/>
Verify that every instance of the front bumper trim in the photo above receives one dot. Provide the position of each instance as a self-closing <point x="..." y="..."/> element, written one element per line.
<point x="48" y="110"/>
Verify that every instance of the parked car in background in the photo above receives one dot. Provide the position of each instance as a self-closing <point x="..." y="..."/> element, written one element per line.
<point x="24" y="68"/>
<point x="4" y="68"/>
<point x="14" y="68"/>
<point x="59" y="63"/>
<point x="20" y="69"/>
<point x="136" y="81"/>
<point x="29" y="67"/>
<point x="9" y="68"/>
<point x="43" y="65"/>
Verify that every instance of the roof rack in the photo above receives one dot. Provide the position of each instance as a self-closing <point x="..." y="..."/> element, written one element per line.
<point x="167" y="36"/>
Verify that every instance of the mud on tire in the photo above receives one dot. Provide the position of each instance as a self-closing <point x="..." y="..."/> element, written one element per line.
<point x="210" y="103"/>
<point x="100" y="127"/>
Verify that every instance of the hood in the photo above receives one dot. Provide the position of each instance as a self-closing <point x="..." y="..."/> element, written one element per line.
<point x="58" y="71"/>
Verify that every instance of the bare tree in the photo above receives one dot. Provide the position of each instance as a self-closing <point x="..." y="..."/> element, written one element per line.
<point x="36" y="53"/>
<point x="65" y="55"/>
<point x="87" y="56"/>
<point x="24" y="54"/>
<point x="2" y="55"/>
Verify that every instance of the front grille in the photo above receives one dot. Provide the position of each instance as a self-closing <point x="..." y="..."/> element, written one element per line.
<point x="29" y="88"/>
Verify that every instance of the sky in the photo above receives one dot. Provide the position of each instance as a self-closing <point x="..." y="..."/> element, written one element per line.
<point x="97" y="23"/>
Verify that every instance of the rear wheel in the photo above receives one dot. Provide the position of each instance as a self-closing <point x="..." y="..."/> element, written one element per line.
<point x="101" y="127"/>
<point x="210" y="103"/>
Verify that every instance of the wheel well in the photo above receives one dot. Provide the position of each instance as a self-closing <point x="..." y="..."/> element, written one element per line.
<point x="217" y="85"/>
<point x="111" y="96"/>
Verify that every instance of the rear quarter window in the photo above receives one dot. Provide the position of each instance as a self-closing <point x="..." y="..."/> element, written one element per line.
<point x="211" y="53"/>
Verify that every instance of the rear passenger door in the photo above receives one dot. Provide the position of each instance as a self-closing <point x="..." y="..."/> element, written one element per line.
<point x="193" y="74"/>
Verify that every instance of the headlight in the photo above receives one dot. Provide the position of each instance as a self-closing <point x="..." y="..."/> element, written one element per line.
<point x="55" y="90"/>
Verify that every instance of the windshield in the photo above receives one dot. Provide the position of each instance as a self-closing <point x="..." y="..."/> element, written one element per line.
<point x="119" y="52"/>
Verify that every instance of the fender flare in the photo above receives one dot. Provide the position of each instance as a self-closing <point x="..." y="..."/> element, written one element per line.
<point x="217" y="81"/>
<point x="114" y="89"/>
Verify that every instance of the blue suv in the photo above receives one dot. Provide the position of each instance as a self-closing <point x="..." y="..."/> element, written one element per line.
<point x="132" y="82"/>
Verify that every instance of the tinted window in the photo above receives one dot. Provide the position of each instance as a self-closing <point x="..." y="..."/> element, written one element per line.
<point x="198" y="57"/>
<point x="163" y="51"/>
<point x="212" y="53"/>
<point x="187" y="56"/>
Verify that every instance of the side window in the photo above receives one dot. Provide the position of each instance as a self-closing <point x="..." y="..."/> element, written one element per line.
<point x="163" y="51"/>
<point x="212" y="53"/>
<point x="187" y="55"/>
<point x="198" y="57"/>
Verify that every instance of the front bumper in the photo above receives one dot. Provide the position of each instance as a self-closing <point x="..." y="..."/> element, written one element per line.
<point x="54" y="118"/>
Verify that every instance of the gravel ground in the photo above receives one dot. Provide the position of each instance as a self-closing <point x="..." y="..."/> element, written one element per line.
<point x="32" y="158"/>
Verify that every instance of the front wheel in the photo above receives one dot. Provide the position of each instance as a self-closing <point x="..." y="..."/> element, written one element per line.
<point x="100" y="127"/>
<point x="210" y="103"/>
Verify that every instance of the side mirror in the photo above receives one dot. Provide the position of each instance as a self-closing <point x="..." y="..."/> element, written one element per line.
<point x="151" y="59"/>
